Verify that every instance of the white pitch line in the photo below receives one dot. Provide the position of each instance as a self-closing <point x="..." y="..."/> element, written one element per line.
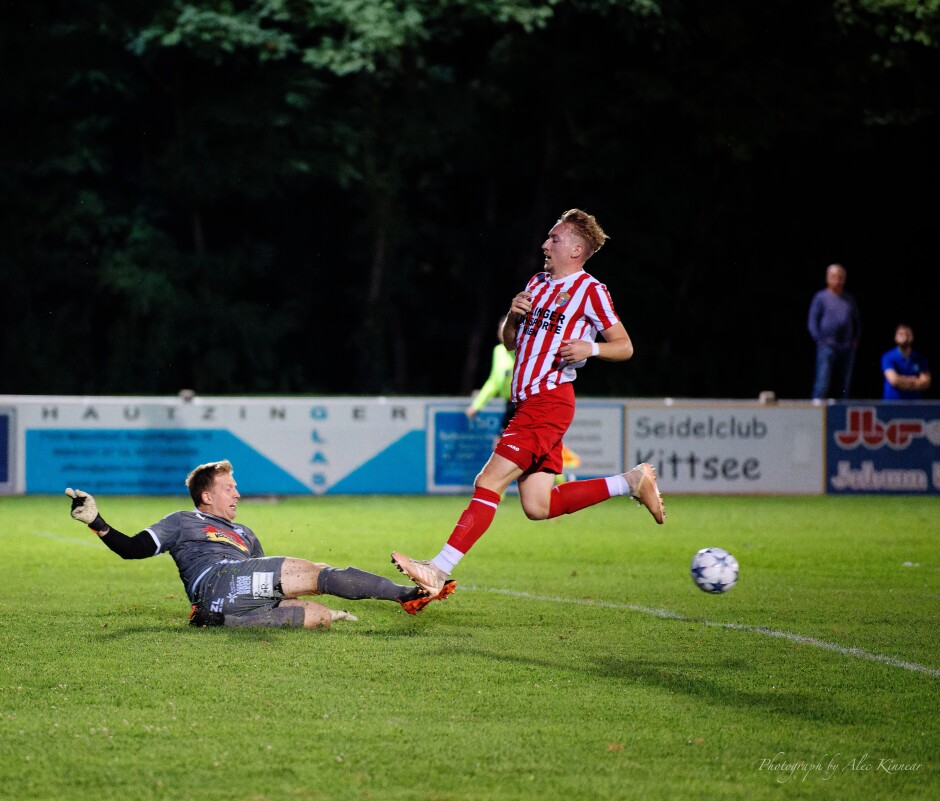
<point x="72" y="540"/>
<point x="670" y="615"/>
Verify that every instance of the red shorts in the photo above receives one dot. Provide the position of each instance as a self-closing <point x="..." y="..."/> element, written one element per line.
<point x="532" y="440"/>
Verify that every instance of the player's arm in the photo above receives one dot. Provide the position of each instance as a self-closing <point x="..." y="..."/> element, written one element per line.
<point x="521" y="305"/>
<point x="85" y="510"/>
<point x="489" y="389"/>
<point x="617" y="346"/>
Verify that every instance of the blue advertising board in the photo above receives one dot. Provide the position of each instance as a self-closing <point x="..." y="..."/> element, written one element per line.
<point x="887" y="448"/>
<point x="458" y="446"/>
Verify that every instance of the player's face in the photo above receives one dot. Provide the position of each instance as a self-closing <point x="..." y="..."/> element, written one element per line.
<point x="559" y="248"/>
<point x="221" y="499"/>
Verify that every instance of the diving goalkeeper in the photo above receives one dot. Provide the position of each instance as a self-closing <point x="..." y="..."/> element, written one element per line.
<point x="227" y="577"/>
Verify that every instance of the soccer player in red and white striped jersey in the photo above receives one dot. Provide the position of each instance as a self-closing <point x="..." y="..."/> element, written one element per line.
<point x="552" y="326"/>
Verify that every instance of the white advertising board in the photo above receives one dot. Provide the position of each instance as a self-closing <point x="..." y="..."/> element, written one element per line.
<point x="729" y="448"/>
<point x="147" y="445"/>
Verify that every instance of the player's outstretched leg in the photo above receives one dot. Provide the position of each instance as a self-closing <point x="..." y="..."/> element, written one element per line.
<point x="414" y="605"/>
<point x="316" y="615"/>
<point x="422" y="572"/>
<point x="642" y="482"/>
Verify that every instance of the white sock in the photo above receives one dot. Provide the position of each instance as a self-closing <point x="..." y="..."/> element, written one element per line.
<point x="617" y="485"/>
<point x="447" y="559"/>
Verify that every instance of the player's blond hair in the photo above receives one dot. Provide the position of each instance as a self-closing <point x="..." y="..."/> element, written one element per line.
<point x="586" y="227"/>
<point x="203" y="477"/>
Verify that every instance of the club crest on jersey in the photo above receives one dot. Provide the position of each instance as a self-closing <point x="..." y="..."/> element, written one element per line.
<point x="562" y="299"/>
<point x="220" y="535"/>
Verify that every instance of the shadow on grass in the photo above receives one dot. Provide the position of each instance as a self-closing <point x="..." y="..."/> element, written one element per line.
<point x="114" y="631"/>
<point x="675" y="678"/>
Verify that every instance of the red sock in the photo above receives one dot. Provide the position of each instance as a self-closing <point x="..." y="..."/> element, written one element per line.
<point x="475" y="520"/>
<point x="572" y="496"/>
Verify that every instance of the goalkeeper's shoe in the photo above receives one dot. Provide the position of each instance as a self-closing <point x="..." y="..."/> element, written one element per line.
<point x="415" y="605"/>
<point x="422" y="572"/>
<point x="642" y="482"/>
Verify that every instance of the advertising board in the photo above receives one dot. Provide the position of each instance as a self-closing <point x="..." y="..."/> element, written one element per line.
<point x="732" y="448"/>
<point x="889" y="448"/>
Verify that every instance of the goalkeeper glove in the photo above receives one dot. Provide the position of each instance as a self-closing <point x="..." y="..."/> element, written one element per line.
<point x="85" y="510"/>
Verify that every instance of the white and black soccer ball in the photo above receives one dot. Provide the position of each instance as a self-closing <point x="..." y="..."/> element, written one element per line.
<point x="714" y="570"/>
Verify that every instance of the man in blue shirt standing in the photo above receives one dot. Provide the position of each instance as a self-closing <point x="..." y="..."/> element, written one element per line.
<point x="906" y="372"/>
<point x="835" y="325"/>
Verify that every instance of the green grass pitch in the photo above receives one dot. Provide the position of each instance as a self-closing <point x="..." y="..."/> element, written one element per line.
<point x="576" y="660"/>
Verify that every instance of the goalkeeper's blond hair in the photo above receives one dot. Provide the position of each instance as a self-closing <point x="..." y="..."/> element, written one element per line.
<point x="203" y="477"/>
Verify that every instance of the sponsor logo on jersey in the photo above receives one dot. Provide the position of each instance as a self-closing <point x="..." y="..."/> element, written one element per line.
<point x="215" y="534"/>
<point x="544" y="319"/>
<point x="262" y="585"/>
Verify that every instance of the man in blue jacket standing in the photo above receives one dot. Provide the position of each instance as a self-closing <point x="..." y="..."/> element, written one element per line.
<point x="835" y="325"/>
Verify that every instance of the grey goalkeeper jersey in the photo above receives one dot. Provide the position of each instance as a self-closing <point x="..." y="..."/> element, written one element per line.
<point x="197" y="541"/>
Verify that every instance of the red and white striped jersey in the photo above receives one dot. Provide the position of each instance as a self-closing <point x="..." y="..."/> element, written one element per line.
<point x="574" y="307"/>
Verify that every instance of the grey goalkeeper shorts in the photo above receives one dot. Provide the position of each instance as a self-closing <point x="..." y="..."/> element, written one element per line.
<point x="247" y="593"/>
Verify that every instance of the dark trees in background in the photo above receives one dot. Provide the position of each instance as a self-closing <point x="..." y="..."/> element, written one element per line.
<point x="272" y="196"/>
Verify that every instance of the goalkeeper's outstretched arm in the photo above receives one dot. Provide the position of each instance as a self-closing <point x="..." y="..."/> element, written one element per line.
<point x="85" y="510"/>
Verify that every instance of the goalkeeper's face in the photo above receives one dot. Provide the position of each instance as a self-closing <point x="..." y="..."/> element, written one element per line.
<point x="221" y="499"/>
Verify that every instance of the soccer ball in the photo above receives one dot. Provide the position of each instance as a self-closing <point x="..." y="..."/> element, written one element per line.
<point x="714" y="570"/>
